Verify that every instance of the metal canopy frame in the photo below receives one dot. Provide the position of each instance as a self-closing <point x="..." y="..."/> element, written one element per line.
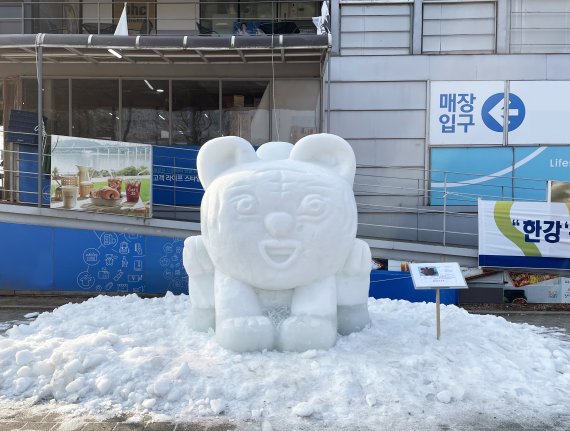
<point x="71" y="48"/>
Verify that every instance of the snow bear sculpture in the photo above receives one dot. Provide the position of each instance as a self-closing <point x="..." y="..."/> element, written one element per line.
<point x="278" y="264"/>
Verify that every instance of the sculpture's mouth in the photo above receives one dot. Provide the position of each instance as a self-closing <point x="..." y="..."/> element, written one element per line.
<point x="279" y="253"/>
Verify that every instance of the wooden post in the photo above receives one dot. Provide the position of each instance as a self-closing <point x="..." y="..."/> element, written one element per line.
<point x="437" y="302"/>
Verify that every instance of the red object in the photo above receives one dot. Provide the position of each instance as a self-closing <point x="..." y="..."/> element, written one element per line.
<point x="133" y="191"/>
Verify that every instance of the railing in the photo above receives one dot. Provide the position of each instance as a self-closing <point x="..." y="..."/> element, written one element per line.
<point x="410" y="205"/>
<point x="243" y="17"/>
<point x="425" y="206"/>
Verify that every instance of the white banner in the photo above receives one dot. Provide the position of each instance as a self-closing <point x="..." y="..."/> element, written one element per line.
<point x="529" y="235"/>
<point x="466" y="112"/>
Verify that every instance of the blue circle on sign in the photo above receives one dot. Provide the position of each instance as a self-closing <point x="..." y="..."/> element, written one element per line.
<point x="517" y="111"/>
<point x="492" y="112"/>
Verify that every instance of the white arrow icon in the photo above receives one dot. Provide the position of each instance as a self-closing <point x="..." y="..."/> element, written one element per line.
<point x="497" y="112"/>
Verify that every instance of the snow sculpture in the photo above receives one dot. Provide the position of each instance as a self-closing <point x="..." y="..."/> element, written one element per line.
<point x="278" y="264"/>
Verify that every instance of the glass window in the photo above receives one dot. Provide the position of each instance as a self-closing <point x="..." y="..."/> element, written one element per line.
<point x="297" y="104"/>
<point x="1" y="132"/>
<point x="95" y="108"/>
<point x="145" y="112"/>
<point x="257" y="16"/>
<point x="10" y="18"/>
<point x="56" y="106"/>
<point x="245" y="110"/>
<point x="217" y="17"/>
<point x="29" y="95"/>
<point x="195" y="112"/>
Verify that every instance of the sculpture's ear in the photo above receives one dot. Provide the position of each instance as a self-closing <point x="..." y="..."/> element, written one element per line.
<point x="328" y="151"/>
<point x="220" y="154"/>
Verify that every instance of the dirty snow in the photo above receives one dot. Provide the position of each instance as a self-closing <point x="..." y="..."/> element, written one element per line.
<point x="113" y="355"/>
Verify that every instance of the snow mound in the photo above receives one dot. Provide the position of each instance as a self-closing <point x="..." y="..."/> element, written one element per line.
<point x="112" y="355"/>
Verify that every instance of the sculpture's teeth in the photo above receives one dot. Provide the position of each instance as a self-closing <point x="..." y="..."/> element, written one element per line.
<point x="280" y="254"/>
<point x="277" y="253"/>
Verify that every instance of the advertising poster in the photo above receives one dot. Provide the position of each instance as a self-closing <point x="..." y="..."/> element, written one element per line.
<point x="495" y="173"/>
<point x="526" y="235"/>
<point x="101" y="176"/>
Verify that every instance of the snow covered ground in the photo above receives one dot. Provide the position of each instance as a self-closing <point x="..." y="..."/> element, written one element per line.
<point x="112" y="355"/>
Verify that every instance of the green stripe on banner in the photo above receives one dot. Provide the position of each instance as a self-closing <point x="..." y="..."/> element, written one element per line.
<point x="503" y="221"/>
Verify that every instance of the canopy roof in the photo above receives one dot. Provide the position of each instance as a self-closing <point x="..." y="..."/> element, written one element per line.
<point x="82" y="48"/>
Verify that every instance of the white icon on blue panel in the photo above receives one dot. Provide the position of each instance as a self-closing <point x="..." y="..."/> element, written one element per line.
<point x="493" y="114"/>
<point x="124" y="247"/>
<point x="109" y="239"/>
<point x="91" y="256"/>
<point x="85" y="280"/>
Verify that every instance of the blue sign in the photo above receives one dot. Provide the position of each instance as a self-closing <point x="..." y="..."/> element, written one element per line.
<point x="496" y="173"/>
<point x="492" y="112"/>
<point x="174" y="176"/>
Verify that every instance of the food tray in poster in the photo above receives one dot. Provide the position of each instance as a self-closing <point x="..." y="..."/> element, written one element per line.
<point x="106" y="202"/>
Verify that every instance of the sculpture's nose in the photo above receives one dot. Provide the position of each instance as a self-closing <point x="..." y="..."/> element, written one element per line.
<point x="279" y="224"/>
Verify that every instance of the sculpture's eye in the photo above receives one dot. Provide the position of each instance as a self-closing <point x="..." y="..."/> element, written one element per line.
<point x="312" y="205"/>
<point x="245" y="204"/>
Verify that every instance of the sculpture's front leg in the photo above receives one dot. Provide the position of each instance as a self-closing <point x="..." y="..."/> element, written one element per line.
<point x="200" y="271"/>
<point x="240" y="324"/>
<point x="353" y="285"/>
<point x="312" y="324"/>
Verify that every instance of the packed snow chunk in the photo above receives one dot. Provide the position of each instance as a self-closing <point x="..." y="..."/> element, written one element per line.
<point x="149" y="403"/>
<point x="72" y="368"/>
<point x="93" y="360"/>
<point x="217" y="406"/>
<point x="371" y="400"/>
<point x="444" y="397"/>
<point x="23" y="383"/>
<point x="43" y="368"/>
<point x="25" y="371"/>
<point x="256" y="413"/>
<point x="160" y="388"/>
<point x="303" y="409"/>
<point x="103" y="384"/>
<point x="24" y="357"/>
<point x="289" y="213"/>
<point x="75" y="385"/>
<point x="31" y="315"/>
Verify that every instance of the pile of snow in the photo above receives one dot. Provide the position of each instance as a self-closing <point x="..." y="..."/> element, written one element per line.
<point x="112" y="355"/>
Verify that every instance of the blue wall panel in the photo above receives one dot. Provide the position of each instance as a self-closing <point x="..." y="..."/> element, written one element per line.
<point x="26" y="262"/>
<point x="399" y="285"/>
<point x="62" y="259"/>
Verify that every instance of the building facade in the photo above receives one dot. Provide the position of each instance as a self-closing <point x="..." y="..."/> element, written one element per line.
<point x="261" y="71"/>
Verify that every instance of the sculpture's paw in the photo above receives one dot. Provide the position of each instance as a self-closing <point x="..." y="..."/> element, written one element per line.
<point x="352" y="318"/>
<point x="246" y="334"/>
<point x="358" y="262"/>
<point x="202" y="319"/>
<point x="195" y="258"/>
<point x="300" y="333"/>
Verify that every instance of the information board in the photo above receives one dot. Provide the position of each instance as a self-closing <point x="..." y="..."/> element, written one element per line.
<point x="441" y="275"/>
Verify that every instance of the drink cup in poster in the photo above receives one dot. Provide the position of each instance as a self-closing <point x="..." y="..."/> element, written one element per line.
<point x="69" y="194"/>
<point x="115" y="183"/>
<point x="85" y="187"/>
<point x="133" y="190"/>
